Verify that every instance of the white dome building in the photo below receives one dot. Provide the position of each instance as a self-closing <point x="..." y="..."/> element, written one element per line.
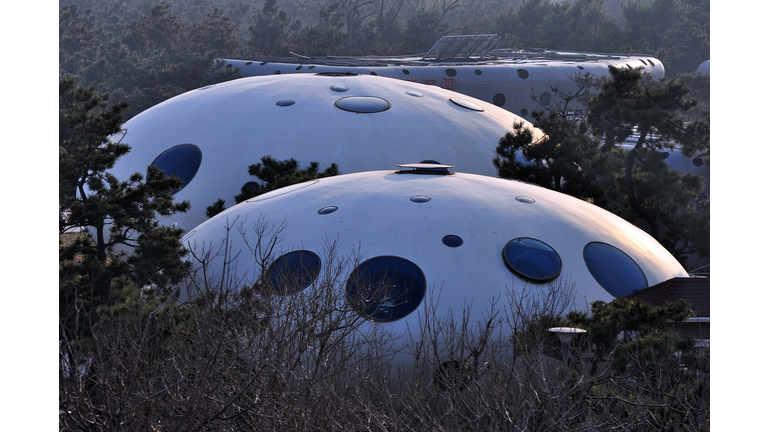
<point x="464" y="238"/>
<point x="208" y="137"/>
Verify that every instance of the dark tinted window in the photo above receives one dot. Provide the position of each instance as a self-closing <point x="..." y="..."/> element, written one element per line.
<point x="522" y="73"/>
<point x="386" y="288"/>
<point x="613" y="269"/>
<point x="452" y="241"/>
<point x="181" y="161"/>
<point x="363" y="104"/>
<point x="293" y="271"/>
<point x="450" y="72"/>
<point x="499" y="99"/>
<point x="532" y="259"/>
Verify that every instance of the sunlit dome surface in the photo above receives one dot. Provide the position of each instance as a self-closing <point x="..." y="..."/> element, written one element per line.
<point x="464" y="238"/>
<point x="359" y="122"/>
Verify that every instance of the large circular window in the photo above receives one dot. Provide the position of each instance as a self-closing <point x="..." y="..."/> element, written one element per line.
<point x="293" y="271"/>
<point x="613" y="269"/>
<point x="181" y="161"/>
<point x="386" y="288"/>
<point x="532" y="259"/>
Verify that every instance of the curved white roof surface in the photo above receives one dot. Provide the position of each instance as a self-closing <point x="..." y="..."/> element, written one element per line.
<point x="472" y="237"/>
<point x="360" y="122"/>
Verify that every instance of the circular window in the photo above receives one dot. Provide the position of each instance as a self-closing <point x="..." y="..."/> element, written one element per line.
<point x="467" y="104"/>
<point x="522" y="73"/>
<point x="450" y="72"/>
<point x="478" y="72"/>
<point x="697" y="161"/>
<point x="613" y="269"/>
<point x="293" y="272"/>
<point x="499" y="99"/>
<point x="181" y="161"/>
<point x="406" y="72"/>
<point x="327" y="210"/>
<point x="386" y="288"/>
<point x="452" y="241"/>
<point x="363" y="104"/>
<point x="532" y="259"/>
<point x="299" y="67"/>
<point x="420" y="198"/>
<point x="524" y="112"/>
<point x="285" y="102"/>
<point x="546" y="98"/>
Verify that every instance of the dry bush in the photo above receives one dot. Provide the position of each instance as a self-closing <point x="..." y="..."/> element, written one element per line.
<point x="239" y="357"/>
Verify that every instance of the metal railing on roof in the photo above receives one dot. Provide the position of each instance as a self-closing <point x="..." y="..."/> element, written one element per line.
<point x="463" y="46"/>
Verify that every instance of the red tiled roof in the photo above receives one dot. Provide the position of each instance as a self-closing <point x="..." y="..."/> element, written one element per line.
<point x="693" y="289"/>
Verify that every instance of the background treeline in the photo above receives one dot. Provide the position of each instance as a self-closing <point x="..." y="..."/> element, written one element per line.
<point x="144" y="51"/>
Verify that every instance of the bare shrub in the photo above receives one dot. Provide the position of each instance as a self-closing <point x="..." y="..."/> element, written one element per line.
<point x="240" y="356"/>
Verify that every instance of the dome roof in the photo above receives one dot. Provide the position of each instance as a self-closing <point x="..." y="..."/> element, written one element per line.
<point x="209" y="137"/>
<point x="464" y="238"/>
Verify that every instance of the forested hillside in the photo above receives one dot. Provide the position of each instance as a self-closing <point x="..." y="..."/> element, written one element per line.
<point x="144" y="51"/>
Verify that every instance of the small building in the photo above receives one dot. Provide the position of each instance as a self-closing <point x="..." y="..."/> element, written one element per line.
<point x="695" y="290"/>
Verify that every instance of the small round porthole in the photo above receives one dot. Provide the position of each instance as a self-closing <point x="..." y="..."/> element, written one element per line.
<point x="697" y="161"/>
<point x="293" y="272"/>
<point x="311" y="67"/>
<point x="499" y="99"/>
<point x="532" y="259"/>
<point x="248" y="63"/>
<point x="450" y="72"/>
<point x="522" y="73"/>
<point x="277" y="72"/>
<point x="453" y="241"/>
<point x="524" y="112"/>
<point x="285" y="102"/>
<point x="374" y="73"/>
<point x="406" y="72"/>
<point x="420" y="199"/>
<point x="478" y="72"/>
<point x="181" y="161"/>
<point x="299" y="67"/>
<point x="386" y="288"/>
<point x="327" y="210"/>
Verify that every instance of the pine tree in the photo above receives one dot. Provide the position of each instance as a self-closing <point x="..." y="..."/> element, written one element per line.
<point x="108" y="213"/>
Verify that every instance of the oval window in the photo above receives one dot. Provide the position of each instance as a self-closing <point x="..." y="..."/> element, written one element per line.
<point x="181" y="161"/>
<point x="613" y="269"/>
<point x="363" y="104"/>
<point x="546" y="98"/>
<point x="452" y="241"/>
<point x="450" y="72"/>
<point x="532" y="259"/>
<point x="293" y="272"/>
<point x="499" y="99"/>
<point x="522" y="73"/>
<point x="386" y="288"/>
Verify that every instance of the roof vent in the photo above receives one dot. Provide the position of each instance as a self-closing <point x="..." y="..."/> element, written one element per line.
<point x="425" y="167"/>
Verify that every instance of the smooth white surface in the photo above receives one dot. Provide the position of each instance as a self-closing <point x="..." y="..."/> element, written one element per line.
<point x="238" y="122"/>
<point x="376" y="216"/>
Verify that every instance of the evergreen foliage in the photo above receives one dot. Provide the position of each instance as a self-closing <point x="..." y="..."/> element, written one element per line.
<point x="107" y="214"/>
<point x="582" y="158"/>
<point x="274" y="174"/>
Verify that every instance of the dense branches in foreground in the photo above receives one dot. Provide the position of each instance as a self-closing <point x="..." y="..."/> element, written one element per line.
<point x="239" y="356"/>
